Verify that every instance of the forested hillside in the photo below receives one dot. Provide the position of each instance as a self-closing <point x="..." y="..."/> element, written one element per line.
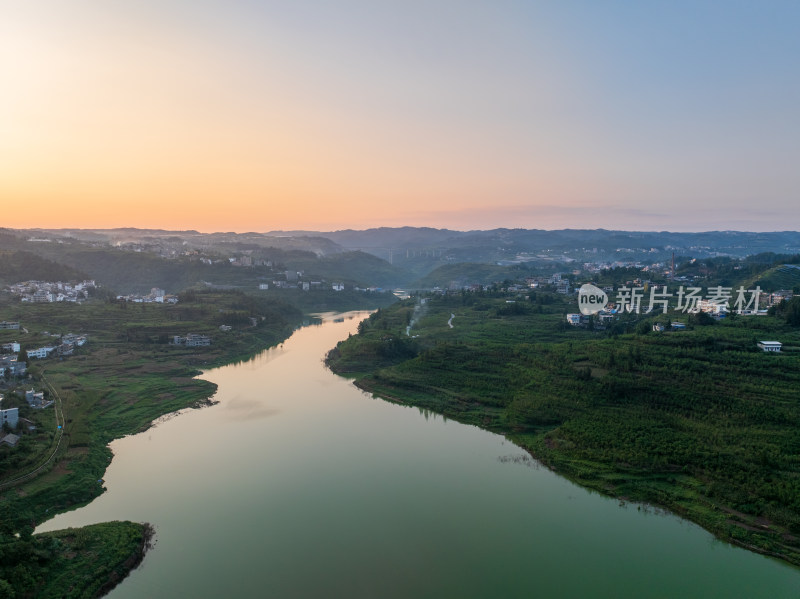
<point x="16" y="266"/>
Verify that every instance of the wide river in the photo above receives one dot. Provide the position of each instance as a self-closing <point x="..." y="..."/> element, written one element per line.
<point x="297" y="484"/>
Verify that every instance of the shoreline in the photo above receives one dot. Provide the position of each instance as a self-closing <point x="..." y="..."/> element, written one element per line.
<point x="562" y="470"/>
<point x="197" y="368"/>
<point x="113" y="389"/>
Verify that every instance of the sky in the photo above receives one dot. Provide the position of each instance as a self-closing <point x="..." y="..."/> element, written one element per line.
<point x="318" y="115"/>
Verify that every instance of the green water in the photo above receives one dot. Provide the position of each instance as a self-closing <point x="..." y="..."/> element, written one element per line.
<point x="296" y="484"/>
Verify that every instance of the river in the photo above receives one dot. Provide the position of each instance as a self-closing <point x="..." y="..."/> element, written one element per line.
<point x="297" y="484"/>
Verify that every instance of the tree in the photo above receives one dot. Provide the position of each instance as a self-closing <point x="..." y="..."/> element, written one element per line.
<point x="701" y="319"/>
<point x="6" y="590"/>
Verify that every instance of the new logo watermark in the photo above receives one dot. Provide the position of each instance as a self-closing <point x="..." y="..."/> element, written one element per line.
<point x="591" y="299"/>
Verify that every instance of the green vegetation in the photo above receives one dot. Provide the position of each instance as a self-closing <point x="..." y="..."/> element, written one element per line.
<point x="26" y="266"/>
<point x="788" y="311"/>
<point x="35" y="445"/>
<point x="467" y="273"/>
<point x="783" y="276"/>
<point x="318" y="301"/>
<point x="359" y="267"/>
<point x="75" y="563"/>
<point x="698" y="421"/>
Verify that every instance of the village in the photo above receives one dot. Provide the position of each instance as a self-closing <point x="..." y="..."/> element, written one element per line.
<point x="47" y="292"/>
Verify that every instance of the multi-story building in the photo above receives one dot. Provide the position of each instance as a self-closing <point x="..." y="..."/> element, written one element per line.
<point x="41" y="352"/>
<point x="194" y="340"/>
<point x="9" y="416"/>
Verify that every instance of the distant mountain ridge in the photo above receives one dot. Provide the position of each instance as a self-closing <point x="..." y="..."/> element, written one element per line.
<point x="129" y="259"/>
<point x="380" y="240"/>
<point x="556" y="238"/>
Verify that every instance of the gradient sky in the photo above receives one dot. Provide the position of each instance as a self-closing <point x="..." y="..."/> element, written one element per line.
<point x="259" y="115"/>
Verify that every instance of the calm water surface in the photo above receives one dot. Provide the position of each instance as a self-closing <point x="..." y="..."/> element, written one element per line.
<point x="297" y="484"/>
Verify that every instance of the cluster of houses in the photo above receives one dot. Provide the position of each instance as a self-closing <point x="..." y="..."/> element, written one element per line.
<point x="156" y="296"/>
<point x="562" y="284"/>
<point x="10" y="418"/>
<point x="674" y="326"/>
<point x="776" y="297"/>
<point x="65" y="347"/>
<point x="292" y="282"/>
<point x="602" y="319"/>
<point x="192" y="340"/>
<point x="58" y="291"/>
<point x="9" y="366"/>
<point x="605" y="317"/>
<point x="247" y="260"/>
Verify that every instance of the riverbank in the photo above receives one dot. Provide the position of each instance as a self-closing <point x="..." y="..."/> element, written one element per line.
<point x="695" y="422"/>
<point x="110" y="551"/>
<point x="126" y="376"/>
<point x="381" y="500"/>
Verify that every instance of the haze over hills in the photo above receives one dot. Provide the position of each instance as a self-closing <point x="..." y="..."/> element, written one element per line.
<point x="505" y="241"/>
<point x="129" y="259"/>
<point x="732" y="242"/>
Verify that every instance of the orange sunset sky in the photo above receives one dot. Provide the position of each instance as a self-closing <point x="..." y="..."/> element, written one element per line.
<point x="258" y="116"/>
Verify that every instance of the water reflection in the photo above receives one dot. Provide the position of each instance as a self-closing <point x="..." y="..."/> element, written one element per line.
<point x="297" y="484"/>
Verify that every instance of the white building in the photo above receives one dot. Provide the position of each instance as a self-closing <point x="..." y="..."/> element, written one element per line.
<point x="42" y="296"/>
<point x="41" y="352"/>
<point x="605" y="317"/>
<point x="770" y="346"/>
<point x="780" y="295"/>
<point x="34" y="399"/>
<point x="10" y="364"/>
<point x="710" y="307"/>
<point x="9" y="416"/>
<point x="195" y="340"/>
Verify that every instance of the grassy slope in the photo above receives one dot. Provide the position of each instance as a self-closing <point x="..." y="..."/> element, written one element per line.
<point x="784" y="276"/>
<point x="696" y="421"/>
